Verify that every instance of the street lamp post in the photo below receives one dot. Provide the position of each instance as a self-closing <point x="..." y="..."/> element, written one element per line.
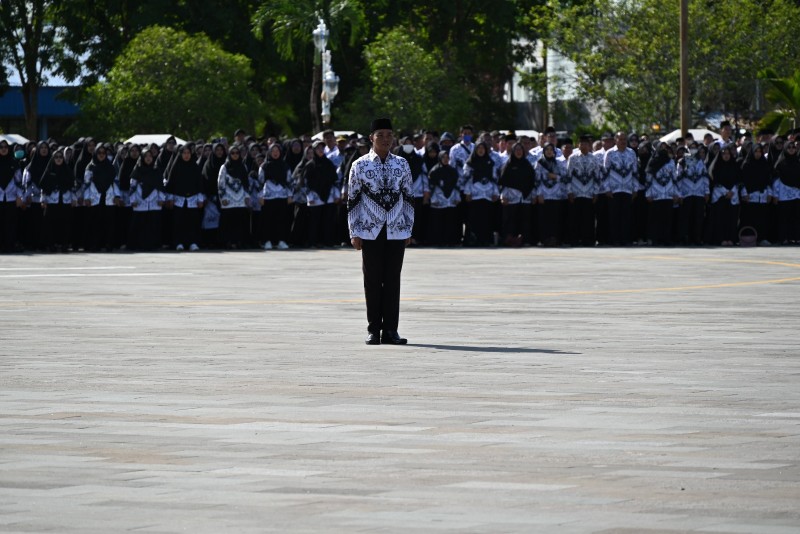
<point x="330" y="81"/>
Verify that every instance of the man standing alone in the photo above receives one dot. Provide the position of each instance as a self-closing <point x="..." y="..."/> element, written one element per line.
<point x="380" y="216"/>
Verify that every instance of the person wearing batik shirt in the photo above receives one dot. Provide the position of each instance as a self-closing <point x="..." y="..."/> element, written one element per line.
<point x="184" y="188"/>
<point x="147" y="197"/>
<point x="551" y="195"/>
<point x="517" y="184"/>
<point x="12" y="197"/>
<point x="444" y="227"/>
<point x="584" y="177"/>
<point x="59" y="195"/>
<point x="275" y="198"/>
<point x="32" y="216"/>
<point x="380" y="217"/>
<point x="694" y="190"/>
<point x="481" y="173"/>
<point x="602" y="205"/>
<point x="101" y="194"/>
<point x="661" y="192"/>
<point x="322" y="195"/>
<point x="621" y="186"/>
<point x="419" y="175"/>
<point x="756" y="193"/>
<point x="786" y="192"/>
<point x="725" y="179"/>
<point x="233" y="186"/>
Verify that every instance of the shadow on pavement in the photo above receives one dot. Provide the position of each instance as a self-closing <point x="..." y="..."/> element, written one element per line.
<point x="478" y="348"/>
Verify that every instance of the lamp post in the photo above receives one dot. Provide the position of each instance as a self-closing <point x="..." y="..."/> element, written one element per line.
<point x="330" y="81"/>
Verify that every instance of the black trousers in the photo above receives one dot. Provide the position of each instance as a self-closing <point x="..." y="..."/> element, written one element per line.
<point x="145" y="231"/>
<point x="185" y="225"/>
<point x="420" y="231"/>
<point x="57" y="221"/>
<point x="517" y="221"/>
<point x="724" y="221"/>
<point x="550" y="219"/>
<point x="692" y="213"/>
<point x="100" y="229"/>
<point x="620" y="209"/>
<point x="8" y="226"/>
<point x="581" y="222"/>
<point x="757" y="216"/>
<point x="789" y="213"/>
<point x="235" y="224"/>
<point x="659" y="221"/>
<point x="381" y="263"/>
<point x="275" y="218"/>
<point x="481" y="223"/>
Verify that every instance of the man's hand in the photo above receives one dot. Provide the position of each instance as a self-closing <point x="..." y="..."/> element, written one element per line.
<point x="356" y="242"/>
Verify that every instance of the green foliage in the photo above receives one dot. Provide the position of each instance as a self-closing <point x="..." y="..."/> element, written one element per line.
<point x="784" y="94"/>
<point x="167" y="81"/>
<point x="628" y="55"/>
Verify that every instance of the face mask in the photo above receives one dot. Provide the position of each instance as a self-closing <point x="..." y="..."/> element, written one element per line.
<point x="692" y="152"/>
<point x="467" y="138"/>
<point x="408" y="149"/>
<point x="19" y="154"/>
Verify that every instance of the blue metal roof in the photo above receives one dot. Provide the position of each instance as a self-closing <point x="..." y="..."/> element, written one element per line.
<point x="49" y="105"/>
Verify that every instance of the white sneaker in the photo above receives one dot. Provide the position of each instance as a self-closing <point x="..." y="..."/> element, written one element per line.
<point x="194" y="248"/>
<point x="179" y="248"/>
<point x="282" y="245"/>
<point x="268" y="245"/>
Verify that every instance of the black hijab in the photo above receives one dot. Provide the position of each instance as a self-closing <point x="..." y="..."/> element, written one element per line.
<point x="103" y="172"/>
<point x="658" y="160"/>
<point x="126" y="168"/>
<point x="184" y="177"/>
<point x="482" y="166"/>
<point x="445" y="177"/>
<point x="8" y="166"/>
<point x="147" y="176"/>
<point x="788" y="166"/>
<point x="517" y="173"/>
<point x="725" y="173"/>
<point x="211" y="170"/>
<point x="275" y="170"/>
<point x="83" y="159"/>
<point x="320" y="175"/>
<point x="165" y="157"/>
<point x="756" y="172"/>
<point x="549" y="163"/>
<point x="431" y="161"/>
<point x="38" y="163"/>
<point x="57" y="177"/>
<point x="292" y="159"/>
<point x="237" y="168"/>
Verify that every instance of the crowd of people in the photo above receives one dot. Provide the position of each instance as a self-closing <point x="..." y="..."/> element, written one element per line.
<point x="471" y="189"/>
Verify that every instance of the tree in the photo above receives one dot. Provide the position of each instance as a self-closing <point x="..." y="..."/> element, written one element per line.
<point x="784" y="94"/>
<point x="627" y="53"/>
<point x="28" y="42"/>
<point x="292" y="21"/>
<point x="169" y="81"/>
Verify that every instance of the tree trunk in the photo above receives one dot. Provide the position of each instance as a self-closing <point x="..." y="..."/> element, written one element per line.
<point x="30" y="102"/>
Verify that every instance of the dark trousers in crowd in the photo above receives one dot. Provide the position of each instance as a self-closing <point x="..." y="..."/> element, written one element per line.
<point x="100" y="230"/>
<point x="444" y="227"/>
<point x="789" y="217"/>
<point x="275" y="219"/>
<point x="481" y="222"/>
<point x="320" y="225"/>
<point x="757" y="216"/>
<point x="122" y="225"/>
<point x="9" y="214"/>
<point x="421" y="214"/>
<point x="381" y="263"/>
<point x="690" y="220"/>
<point x="57" y="225"/>
<point x="516" y="224"/>
<point x="724" y="221"/>
<point x="659" y="222"/>
<point x="145" y="233"/>
<point x="551" y="214"/>
<point x="602" y="212"/>
<point x="235" y="225"/>
<point x="78" y="238"/>
<point x="255" y="228"/>
<point x="32" y="234"/>
<point x="299" y="229"/>
<point x="581" y="222"/>
<point x="185" y="225"/>
<point x="619" y="219"/>
<point x="639" y="219"/>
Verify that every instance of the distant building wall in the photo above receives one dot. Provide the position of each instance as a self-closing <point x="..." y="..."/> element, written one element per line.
<point x="55" y="114"/>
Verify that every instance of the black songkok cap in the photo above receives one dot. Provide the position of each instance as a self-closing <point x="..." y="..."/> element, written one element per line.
<point x="586" y="138"/>
<point x="381" y="124"/>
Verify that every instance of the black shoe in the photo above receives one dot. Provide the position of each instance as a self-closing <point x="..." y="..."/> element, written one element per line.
<point x="392" y="338"/>
<point x="372" y="339"/>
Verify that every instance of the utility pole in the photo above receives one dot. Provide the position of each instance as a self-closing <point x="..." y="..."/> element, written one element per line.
<point x="686" y="112"/>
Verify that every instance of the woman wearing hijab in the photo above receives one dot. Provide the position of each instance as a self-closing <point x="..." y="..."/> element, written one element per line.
<point x="661" y="193"/>
<point x="212" y="209"/>
<point x="59" y="196"/>
<point x="31" y="178"/>
<point x="694" y="190"/>
<point x="644" y="152"/>
<point x="482" y="193"/>
<point x="12" y="196"/>
<point x="100" y="195"/>
<point x="444" y="224"/>
<point x="786" y="192"/>
<point x="517" y="183"/>
<point x="419" y="175"/>
<point x="147" y="196"/>
<point x="82" y="157"/>
<point x="293" y="153"/>
<point x="275" y="198"/>
<point x="299" y="230"/>
<point x="551" y="195"/>
<point x="130" y="156"/>
<point x="320" y="179"/>
<point x="233" y="187"/>
<point x="756" y="192"/>
<point x="725" y="179"/>
<point x="184" y="188"/>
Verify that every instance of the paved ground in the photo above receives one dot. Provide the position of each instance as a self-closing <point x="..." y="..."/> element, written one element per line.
<point x="602" y="390"/>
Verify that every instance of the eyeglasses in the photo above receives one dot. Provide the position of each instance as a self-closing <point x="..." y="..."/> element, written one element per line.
<point x="791" y="147"/>
<point x="58" y="157"/>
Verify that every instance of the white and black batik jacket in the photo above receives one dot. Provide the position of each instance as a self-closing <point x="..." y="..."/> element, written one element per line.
<point x="380" y="194"/>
